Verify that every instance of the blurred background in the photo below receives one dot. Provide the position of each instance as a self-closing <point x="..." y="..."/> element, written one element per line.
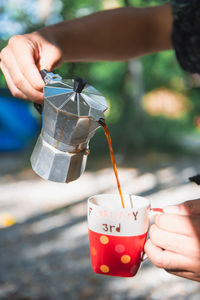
<point x="154" y="121"/>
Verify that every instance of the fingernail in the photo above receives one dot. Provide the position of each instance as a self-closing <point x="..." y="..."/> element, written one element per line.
<point x="159" y="210"/>
<point x="171" y="209"/>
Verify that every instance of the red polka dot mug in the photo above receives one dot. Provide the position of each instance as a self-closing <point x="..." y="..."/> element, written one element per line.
<point x="117" y="235"/>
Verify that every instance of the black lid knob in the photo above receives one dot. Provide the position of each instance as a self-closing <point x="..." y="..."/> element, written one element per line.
<point x="79" y="84"/>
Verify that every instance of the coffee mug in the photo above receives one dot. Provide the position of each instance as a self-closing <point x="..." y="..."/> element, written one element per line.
<point x="117" y="235"/>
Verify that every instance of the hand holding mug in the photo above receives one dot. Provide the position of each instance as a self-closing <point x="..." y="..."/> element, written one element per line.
<point x="174" y="242"/>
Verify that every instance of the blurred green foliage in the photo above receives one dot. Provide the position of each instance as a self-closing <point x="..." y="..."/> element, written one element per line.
<point x="132" y="128"/>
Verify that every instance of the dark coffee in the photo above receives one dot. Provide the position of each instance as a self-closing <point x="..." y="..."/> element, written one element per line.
<point x="108" y="137"/>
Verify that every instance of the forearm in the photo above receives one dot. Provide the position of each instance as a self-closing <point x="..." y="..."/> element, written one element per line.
<point x="111" y="35"/>
<point x="118" y="34"/>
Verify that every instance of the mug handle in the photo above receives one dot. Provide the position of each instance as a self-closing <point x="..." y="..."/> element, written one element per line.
<point x="154" y="210"/>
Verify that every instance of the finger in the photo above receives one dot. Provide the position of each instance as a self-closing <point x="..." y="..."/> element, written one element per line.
<point x="191" y="207"/>
<point x="15" y="91"/>
<point x="173" y="242"/>
<point x="26" y="54"/>
<point x="19" y="81"/>
<point x="51" y="58"/>
<point x="184" y="274"/>
<point x="169" y="260"/>
<point x="185" y="225"/>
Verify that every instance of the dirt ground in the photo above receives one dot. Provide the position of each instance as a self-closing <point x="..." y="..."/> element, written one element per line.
<point x="44" y="252"/>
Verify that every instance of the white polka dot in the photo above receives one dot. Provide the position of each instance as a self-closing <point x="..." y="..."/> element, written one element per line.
<point x="119" y="248"/>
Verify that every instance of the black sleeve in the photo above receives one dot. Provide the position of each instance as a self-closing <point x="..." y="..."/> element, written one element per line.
<point x="186" y="33"/>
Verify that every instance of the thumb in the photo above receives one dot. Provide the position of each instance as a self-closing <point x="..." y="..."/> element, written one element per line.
<point x="191" y="207"/>
<point x="50" y="58"/>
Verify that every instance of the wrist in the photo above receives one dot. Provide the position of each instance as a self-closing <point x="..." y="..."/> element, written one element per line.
<point x="58" y="35"/>
<point x="47" y="52"/>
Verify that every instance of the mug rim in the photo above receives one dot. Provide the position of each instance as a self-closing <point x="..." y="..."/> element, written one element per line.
<point x="145" y="201"/>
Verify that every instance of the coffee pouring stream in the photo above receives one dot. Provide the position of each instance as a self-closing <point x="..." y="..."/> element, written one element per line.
<point x="71" y="112"/>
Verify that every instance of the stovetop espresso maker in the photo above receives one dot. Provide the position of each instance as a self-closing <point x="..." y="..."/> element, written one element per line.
<point x="71" y="112"/>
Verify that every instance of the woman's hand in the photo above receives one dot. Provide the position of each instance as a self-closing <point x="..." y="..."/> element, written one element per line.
<point x="21" y="60"/>
<point x="174" y="242"/>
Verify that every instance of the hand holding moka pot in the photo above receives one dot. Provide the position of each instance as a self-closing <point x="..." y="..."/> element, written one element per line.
<point x="71" y="113"/>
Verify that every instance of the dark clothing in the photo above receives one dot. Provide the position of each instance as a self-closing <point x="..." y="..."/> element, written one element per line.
<point x="186" y="33"/>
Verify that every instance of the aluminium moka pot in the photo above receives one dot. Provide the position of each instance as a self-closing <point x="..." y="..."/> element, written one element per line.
<point x="71" y="112"/>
